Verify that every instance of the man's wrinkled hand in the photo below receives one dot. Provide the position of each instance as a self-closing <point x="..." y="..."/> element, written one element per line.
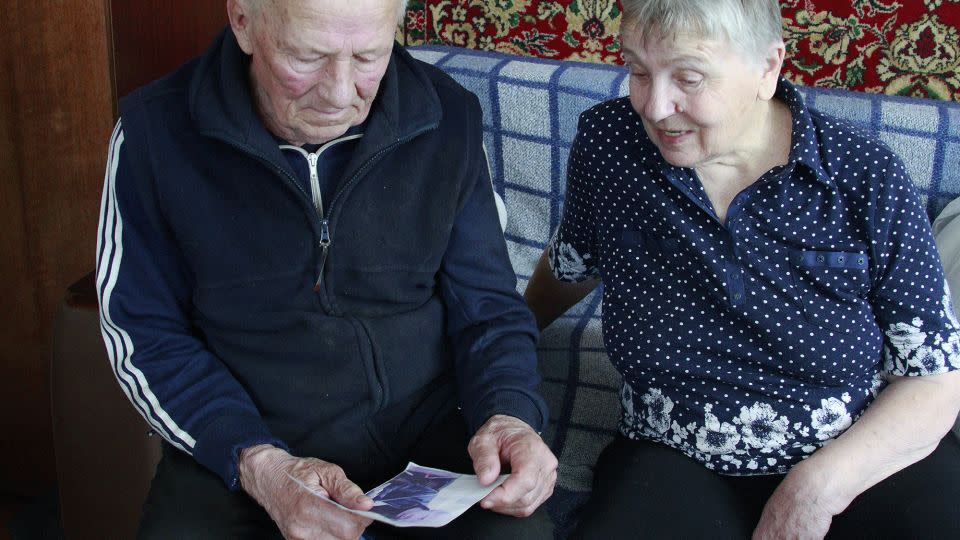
<point x="264" y="471"/>
<point x="505" y="440"/>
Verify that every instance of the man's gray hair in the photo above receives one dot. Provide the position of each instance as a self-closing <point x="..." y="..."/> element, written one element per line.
<point x="750" y="25"/>
<point x="255" y="6"/>
<point x="403" y="11"/>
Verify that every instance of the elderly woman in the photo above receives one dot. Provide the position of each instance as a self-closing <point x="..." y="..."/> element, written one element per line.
<point x="772" y="297"/>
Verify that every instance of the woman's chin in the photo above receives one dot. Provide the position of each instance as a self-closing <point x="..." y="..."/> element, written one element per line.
<point x="678" y="159"/>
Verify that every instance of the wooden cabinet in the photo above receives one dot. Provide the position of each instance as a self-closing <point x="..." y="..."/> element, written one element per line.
<point x="64" y="63"/>
<point x="55" y="116"/>
<point x="151" y="38"/>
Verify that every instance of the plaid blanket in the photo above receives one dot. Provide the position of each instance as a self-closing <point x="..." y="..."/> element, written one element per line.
<point x="531" y="107"/>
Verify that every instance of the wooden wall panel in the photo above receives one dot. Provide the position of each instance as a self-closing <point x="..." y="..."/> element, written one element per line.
<point x="152" y="38"/>
<point x="56" y="97"/>
<point x="57" y="103"/>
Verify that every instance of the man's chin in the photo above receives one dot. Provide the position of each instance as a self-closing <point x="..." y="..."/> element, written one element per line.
<point x="322" y="134"/>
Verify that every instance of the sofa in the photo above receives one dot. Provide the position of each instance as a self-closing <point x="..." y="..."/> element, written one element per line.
<point x="105" y="455"/>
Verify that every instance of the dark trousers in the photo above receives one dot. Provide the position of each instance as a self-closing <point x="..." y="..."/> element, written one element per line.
<point x="645" y="489"/>
<point x="187" y="501"/>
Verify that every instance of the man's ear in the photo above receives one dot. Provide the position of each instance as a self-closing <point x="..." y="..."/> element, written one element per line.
<point x="241" y="22"/>
<point x="771" y="65"/>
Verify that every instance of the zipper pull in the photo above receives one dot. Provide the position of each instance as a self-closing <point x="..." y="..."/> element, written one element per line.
<point x="324" y="235"/>
<point x="324" y="246"/>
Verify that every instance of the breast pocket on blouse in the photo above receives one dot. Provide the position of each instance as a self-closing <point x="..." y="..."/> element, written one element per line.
<point x="832" y="287"/>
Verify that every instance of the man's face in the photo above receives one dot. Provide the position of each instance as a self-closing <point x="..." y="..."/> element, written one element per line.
<point x="316" y="64"/>
<point x="699" y="100"/>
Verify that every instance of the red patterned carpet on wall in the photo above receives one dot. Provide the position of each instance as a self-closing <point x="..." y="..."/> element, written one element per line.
<point x="906" y="47"/>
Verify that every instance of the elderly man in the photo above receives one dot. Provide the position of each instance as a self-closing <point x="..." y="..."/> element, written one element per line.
<point x="772" y="297"/>
<point x="302" y="277"/>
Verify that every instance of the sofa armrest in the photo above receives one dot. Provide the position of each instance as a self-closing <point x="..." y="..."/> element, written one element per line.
<point x="105" y="458"/>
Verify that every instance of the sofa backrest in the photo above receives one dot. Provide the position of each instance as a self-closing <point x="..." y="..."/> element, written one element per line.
<point x="531" y="108"/>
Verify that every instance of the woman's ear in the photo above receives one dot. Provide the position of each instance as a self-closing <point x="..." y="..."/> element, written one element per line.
<point x="771" y="64"/>
<point x="241" y="20"/>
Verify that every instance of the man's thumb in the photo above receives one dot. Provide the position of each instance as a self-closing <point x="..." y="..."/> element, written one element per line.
<point x="486" y="463"/>
<point x="350" y="495"/>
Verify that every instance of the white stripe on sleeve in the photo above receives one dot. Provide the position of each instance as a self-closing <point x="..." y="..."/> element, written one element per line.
<point x="120" y="347"/>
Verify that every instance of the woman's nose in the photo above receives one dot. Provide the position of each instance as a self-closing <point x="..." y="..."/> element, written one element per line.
<point x="661" y="103"/>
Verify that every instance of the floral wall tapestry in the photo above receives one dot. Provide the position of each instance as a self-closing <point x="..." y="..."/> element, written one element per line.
<point x="901" y="47"/>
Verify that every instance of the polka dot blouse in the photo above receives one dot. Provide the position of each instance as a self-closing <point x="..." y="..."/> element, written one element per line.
<point x="748" y="345"/>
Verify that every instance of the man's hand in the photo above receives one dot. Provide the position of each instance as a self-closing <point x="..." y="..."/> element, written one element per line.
<point x="298" y="514"/>
<point x="798" y="509"/>
<point x="533" y="468"/>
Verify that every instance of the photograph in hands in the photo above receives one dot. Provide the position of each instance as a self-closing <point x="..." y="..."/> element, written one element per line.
<point x="420" y="497"/>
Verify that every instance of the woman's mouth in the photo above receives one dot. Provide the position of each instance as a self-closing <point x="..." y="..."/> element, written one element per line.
<point x="674" y="136"/>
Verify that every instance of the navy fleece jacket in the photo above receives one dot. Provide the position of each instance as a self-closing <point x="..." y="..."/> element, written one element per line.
<point x="235" y="313"/>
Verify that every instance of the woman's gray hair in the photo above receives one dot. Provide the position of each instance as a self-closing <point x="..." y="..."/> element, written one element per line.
<point x="255" y="5"/>
<point x="750" y="25"/>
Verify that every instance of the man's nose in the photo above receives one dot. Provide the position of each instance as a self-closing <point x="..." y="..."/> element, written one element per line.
<point x="340" y="89"/>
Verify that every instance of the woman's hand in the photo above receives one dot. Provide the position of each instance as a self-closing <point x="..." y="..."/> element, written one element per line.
<point x="800" y="508"/>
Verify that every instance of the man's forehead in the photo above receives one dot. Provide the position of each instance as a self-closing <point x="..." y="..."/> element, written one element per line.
<point x="305" y="17"/>
<point x="293" y="6"/>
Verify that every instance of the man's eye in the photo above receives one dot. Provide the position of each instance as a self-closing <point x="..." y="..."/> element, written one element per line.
<point x="689" y="80"/>
<point x="305" y="64"/>
<point x="306" y="59"/>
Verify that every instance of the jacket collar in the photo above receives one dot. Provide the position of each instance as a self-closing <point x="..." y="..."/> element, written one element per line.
<point x="221" y="103"/>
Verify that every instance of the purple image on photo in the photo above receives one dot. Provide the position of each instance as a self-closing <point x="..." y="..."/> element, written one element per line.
<point x="408" y="495"/>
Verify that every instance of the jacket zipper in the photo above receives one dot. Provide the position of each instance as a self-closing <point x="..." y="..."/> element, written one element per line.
<point x="317" y="197"/>
<point x="324" y="248"/>
<point x="312" y="160"/>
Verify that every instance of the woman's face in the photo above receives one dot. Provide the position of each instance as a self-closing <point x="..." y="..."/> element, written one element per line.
<point x="701" y="101"/>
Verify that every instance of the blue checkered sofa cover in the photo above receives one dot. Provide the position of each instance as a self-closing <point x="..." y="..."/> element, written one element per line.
<point x="531" y="107"/>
